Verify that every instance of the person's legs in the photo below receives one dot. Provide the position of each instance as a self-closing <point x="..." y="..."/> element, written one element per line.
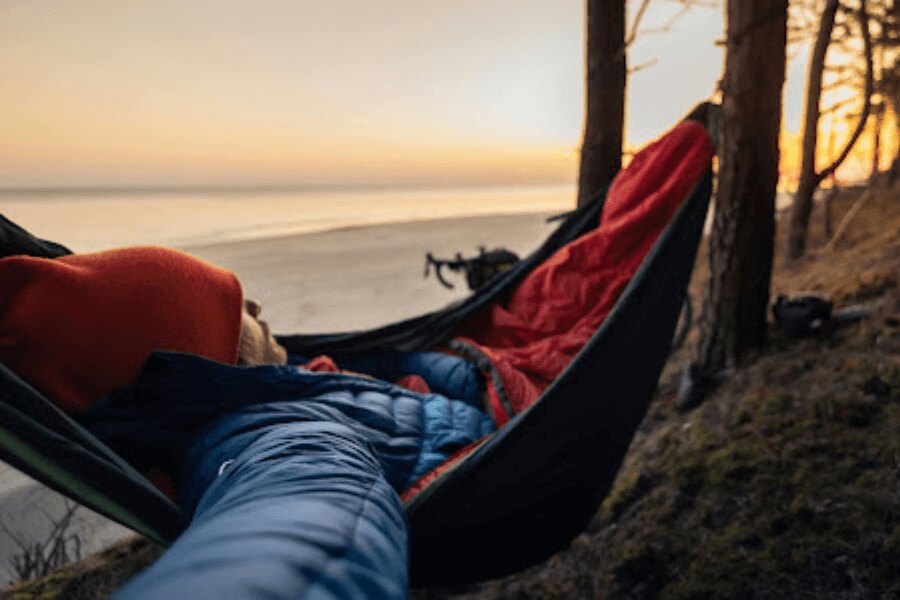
<point x="303" y="510"/>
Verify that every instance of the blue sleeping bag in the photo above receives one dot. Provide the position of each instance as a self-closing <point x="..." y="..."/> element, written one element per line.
<point x="291" y="476"/>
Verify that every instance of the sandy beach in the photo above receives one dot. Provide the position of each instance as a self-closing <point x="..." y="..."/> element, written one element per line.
<point x="363" y="276"/>
<point x="337" y="280"/>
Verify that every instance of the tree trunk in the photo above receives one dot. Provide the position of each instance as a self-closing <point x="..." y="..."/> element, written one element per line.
<point x="743" y="236"/>
<point x="809" y="178"/>
<point x="876" y="146"/>
<point x="826" y="203"/>
<point x="601" y="148"/>
<point x="808" y="183"/>
<point x="878" y="68"/>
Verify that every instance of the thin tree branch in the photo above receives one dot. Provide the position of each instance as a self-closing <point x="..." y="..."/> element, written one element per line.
<point x="667" y="26"/>
<point x="848" y="218"/>
<point x="863" y="16"/>
<point x="639" y="15"/>
<point x="836" y="106"/>
<point x="15" y="538"/>
<point x="840" y="82"/>
<point x="642" y="66"/>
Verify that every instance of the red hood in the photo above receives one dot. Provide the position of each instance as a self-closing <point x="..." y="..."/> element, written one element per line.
<point x="78" y="326"/>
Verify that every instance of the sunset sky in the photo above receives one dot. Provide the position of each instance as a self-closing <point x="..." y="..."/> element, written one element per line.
<point x="346" y="91"/>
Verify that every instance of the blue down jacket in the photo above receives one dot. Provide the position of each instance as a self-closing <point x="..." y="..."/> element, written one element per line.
<point x="291" y="476"/>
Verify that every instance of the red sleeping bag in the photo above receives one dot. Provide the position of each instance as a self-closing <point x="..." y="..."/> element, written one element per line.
<point x="560" y="304"/>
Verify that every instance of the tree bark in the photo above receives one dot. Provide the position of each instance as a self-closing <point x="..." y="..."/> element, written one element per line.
<point x="878" y="67"/>
<point x="876" y="146"/>
<point x="606" y="72"/>
<point x="826" y="203"/>
<point x="806" y="186"/>
<point x="809" y="178"/>
<point x="742" y="242"/>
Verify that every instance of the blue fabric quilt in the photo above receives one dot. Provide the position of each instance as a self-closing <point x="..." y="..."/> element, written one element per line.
<point x="292" y="476"/>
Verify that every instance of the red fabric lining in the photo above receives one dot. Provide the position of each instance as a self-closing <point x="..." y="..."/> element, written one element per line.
<point x="432" y="475"/>
<point x="326" y="364"/>
<point x="322" y="364"/>
<point x="414" y="383"/>
<point x="558" y="306"/>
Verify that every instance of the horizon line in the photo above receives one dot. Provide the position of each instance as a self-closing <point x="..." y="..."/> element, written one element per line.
<point x="265" y="188"/>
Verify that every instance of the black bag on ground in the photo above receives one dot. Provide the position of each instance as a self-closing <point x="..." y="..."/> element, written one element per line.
<point x="801" y="315"/>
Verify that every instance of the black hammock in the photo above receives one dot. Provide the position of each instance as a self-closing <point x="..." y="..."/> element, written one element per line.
<point x="519" y="497"/>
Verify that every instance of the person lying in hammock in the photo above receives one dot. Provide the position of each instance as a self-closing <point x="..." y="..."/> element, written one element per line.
<point x="287" y="473"/>
<point x="292" y="475"/>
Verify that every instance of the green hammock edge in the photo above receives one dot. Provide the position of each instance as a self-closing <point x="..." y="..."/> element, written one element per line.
<point x="87" y="494"/>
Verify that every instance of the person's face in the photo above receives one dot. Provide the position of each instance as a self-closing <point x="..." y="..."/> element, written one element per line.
<point x="258" y="346"/>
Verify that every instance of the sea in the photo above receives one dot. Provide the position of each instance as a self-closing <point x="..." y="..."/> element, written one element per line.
<point x="94" y="219"/>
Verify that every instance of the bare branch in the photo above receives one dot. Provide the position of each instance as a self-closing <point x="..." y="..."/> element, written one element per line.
<point x="61" y="546"/>
<point x="867" y="94"/>
<point x="686" y="6"/>
<point x="635" y="31"/>
<point x="635" y="25"/>
<point x="14" y="537"/>
<point x="841" y="82"/>
<point x="642" y="66"/>
<point x="667" y="26"/>
<point x="837" y="106"/>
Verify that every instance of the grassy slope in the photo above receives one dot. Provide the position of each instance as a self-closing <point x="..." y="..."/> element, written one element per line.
<point x="785" y="482"/>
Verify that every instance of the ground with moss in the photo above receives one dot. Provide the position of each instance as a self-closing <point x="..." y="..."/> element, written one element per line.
<point x="786" y="482"/>
<point x="96" y="577"/>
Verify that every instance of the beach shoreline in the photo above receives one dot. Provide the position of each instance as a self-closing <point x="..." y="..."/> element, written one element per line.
<point x="363" y="276"/>
<point x="88" y="223"/>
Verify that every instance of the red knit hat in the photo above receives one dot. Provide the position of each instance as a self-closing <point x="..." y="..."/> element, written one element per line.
<point x="78" y="326"/>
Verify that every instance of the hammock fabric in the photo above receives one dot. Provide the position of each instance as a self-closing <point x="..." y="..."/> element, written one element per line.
<point x="553" y="312"/>
<point x="542" y="474"/>
<point x="547" y="470"/>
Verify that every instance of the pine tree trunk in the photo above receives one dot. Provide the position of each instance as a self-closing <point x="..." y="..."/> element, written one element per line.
<point x="876" y="147"/>
<point x="601" y="149"/>
<point x="743" y="236"/>
<point x="826" y="202"/>
<point x="809" y="179"/>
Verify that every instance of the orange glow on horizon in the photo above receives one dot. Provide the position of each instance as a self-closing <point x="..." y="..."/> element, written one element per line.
<point x="291" y="93"/>
<point x="468" y="93"/>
